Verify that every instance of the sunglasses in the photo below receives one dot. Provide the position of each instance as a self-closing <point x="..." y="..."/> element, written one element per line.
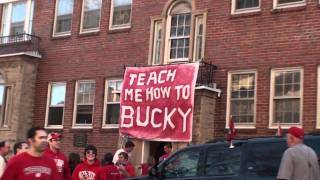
<point x="90" y="152"/>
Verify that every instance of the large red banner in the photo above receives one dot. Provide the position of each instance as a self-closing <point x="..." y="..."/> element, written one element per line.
<point x="157" y="102"/>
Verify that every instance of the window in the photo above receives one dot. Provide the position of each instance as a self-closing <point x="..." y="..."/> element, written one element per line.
<point x="241" y="97"/>
<point x="17" y="18"/>
<point x="223" y="161"/>
<point x="199" y="38"/>
<point x="286" y="95"/>
<point x="288" y="3"/>
<point x="243" y="6"/>
<point x="85" y="92"/>
<point x="91" y="12"/>
<point x="156" y="55"/>
<point x="56" y="101"/>
<point x="112" y="103"/>
<point x="184" y="164"/>
<point x="63" y="17"/>
<point x="5" y="103"/>
<point x="120" y="13"/>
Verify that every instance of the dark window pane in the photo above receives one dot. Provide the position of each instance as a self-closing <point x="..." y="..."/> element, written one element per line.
<point x="287" y="111"/>
<point x="242" y="4"/>
<point x="113" y="111"/>
<point x="91" y="19"/>
<point x="84" y="114"/>
<point x="55" y="116"/>
<point x="63" y="23"/>
<point x="121" y="15"/>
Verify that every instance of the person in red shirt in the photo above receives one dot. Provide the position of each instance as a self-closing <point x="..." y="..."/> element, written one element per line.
<point x="32" y="164"/>
<point x="125" y="167"/>
<point x="168" y="150"/>
<point x="145" y="167"/>
<point x="112" y="172"/>
<point x="90" y="169"/>
<point x="53" y="152"/>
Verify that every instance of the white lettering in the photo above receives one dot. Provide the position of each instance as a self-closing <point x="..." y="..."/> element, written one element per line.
<point x="153" y="112"/>
<point x="132" y="77"/>
<point x="167" y="118"/>
<point x="184" y="116"/>
<point x="125" y="116"/>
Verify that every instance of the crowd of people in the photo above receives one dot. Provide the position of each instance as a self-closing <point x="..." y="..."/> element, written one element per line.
<point x="40" y="158"/>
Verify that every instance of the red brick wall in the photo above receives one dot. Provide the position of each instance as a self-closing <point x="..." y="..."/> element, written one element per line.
<point x="260" y="41"/>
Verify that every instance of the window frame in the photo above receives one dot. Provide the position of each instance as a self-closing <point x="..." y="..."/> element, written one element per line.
<point x="27" y="27"/>
<point x="90" y="30"/>
<point x="273" y="125"/>
<point x="244" y="10"/>
<point x="122" y="26"/>
<point x="105" y="105"/>
<point x="318" y="98"/>
<point x="203" y="15"/>
<point x="153" y="40"/>
<point x="75" y="125"/>
<point x="276" y="4"/>
<point x="59" y="34"/>
<point x="47" y="126"/>
<point x="229" y="87"/>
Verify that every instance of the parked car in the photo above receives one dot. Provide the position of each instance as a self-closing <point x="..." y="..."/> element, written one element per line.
<point x="251" y="159"/>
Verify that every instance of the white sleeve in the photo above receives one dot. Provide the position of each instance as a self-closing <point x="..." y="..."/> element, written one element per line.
<point x="115" y="157"/>
<point x="2" y="166"/>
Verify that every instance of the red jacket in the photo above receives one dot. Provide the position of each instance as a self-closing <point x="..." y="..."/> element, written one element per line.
<point x="25" y="167"/>
<point x="61" y="163"/>
<point x="112" y="172"/>
<point x="93" y="171"/>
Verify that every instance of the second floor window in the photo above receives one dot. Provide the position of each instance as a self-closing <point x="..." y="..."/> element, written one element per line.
<point x="17" y="18"/>
<point x="55" y="109"/>
<point x="91" y="15"/>
<point x="121" y="13"/>
<point x="5" y="103"/>
<point x="63" y="18"/>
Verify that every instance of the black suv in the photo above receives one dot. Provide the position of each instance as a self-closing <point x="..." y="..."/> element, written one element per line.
<point x="251" y="159"/>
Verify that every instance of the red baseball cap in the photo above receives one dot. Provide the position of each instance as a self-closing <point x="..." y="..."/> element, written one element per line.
<point x="296" y="132"/>
<point x="54" y="136"/>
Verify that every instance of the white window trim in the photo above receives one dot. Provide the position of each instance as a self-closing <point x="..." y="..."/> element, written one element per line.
<point x="271" y="104"/>
<point x="155" y="26"/>
<point x="276" y="5"/>
<point x="245" y="10"/>
<point x="74" y="124"/>
<point x="92" y="30"/>
<point x="7" y="1"/>
<point x="104" y="124"/>
<point x="241" y="125"/>
<point x="318" y="99"/>
<point x="204" y="19"/>
<point x="29" y="13"/>
<point x="122" y="26"/>
<point x="48" y="106"/>
<point x="67" y="33"/>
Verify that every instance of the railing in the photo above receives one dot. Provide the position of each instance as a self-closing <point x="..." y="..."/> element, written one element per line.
<point x="19" y="43"/>
<point x="205" y="73"/>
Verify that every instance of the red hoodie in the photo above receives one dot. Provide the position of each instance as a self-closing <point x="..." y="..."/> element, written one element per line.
<point x="61" y="163"/>
<point x="92" y="172"/>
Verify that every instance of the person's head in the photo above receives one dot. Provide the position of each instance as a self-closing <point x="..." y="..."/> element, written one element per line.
<point x="54" y="140"/>
<point x="4" y="148"/>
<point x="294" y="136"/>
<point x="37" y="138"/>
<point x="123" y="157"/>
<point x="90" y="153"/>
<point x="107" y="158"/>
<point x="20" y="147"/>
<point x="167" y="148"/>
<point x="129" y="146"/>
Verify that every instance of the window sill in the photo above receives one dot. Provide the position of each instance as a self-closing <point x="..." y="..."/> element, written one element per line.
<point x="65" y="36"/>
<point x="111" y="126"/>
<point x="119" y="30"/>
<point x="245" y="14"/>
<point x="82" y="127"/>
<point x="53" y="127"/>
<point x="89" y="33"/>
<point x="284" y="126"/>
<point x="290" y="7"/>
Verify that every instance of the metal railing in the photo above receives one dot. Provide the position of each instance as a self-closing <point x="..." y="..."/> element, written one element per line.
<point x="19" y="43"/>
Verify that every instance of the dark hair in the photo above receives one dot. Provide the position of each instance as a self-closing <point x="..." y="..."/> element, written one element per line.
<point x="107" y="159"/>
<point x="125" y="155"/>
<point x="169" y="145"/>
<point x="92" y="148"/>
<point x="33" y="131"/>
<point x="129" y="144"/>
<point x="17" y="146"/>
<point x="74" y="160"/>
<point x="2" y="144"/>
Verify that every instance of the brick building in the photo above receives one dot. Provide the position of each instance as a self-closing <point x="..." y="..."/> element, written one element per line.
<point x="67" y="75"/>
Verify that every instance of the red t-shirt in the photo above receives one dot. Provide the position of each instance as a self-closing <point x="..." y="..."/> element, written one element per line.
<point x="131" y="171"/>
<point x="112" y="172"/>
<point x="24" y="166"/>
<point x="145" y="169"/>
<point x="61" y="163"/>
<point x="92" y="172"/>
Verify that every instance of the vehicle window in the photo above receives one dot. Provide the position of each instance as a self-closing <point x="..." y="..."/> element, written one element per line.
<point x="264" y="159"/>
<point x="223" y="161"/>
<point x="184" y="164"/>
<point x="314" y="143"/>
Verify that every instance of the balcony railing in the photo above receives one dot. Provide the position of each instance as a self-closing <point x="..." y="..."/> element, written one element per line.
<point x="205" y="73"/>
<point x="19" y="43"/>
